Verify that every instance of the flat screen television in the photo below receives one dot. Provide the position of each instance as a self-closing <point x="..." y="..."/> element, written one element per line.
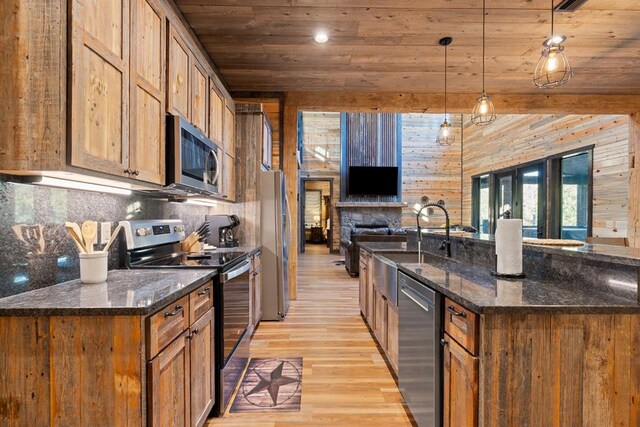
<point x="372" y="181"/>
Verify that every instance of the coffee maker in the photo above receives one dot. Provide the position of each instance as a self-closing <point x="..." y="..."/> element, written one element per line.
<point x="223" y="230"/>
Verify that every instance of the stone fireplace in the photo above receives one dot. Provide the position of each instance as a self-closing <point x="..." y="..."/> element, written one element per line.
<point x="354" y="213"/>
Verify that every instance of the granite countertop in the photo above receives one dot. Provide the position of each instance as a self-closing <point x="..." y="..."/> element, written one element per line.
<point x="126" y="292"/>
<point x="250" y="250"/>
<point x="384" y="247"/>
<point x="594" y="252"/>
<point x="478" y="290"/>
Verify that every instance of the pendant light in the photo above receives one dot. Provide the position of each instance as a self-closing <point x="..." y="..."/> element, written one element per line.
<point x="445" y="134"/>
<point x="553" y="67"/>
<point x="483" y="113"/>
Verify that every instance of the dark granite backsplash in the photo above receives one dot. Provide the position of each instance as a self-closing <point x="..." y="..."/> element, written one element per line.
<point x="617" y="278"/>
<point x="24" y="266"/>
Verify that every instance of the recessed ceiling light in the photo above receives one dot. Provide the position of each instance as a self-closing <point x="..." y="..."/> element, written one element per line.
<point x="321" y="37"/>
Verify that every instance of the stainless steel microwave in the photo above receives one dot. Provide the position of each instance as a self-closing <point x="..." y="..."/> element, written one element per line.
<point x="193" y="160"/>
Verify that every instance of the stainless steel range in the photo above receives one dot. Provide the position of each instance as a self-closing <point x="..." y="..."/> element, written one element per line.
<point x="156" y="244"/>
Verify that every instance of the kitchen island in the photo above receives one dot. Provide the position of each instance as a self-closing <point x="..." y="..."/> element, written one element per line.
<point x="549" y="349"/>
<point x="134" y="351"/>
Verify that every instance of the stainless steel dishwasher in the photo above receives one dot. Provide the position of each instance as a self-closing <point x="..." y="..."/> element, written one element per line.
<point x="420" y="366"/>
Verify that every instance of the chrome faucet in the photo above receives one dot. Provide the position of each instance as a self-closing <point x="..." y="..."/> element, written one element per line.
<point x="446" y="245"/>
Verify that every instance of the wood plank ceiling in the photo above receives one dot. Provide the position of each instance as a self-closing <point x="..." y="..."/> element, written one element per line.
<point x="392" y="45"/>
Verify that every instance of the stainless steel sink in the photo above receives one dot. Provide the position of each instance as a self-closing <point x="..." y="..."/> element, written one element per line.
<point x="385" y="272"/>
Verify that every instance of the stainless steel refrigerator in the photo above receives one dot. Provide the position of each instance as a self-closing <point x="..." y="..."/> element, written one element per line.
<point x="275" y="229"/>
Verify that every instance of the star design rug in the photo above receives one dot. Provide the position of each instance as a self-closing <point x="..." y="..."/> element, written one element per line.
<point x="270" y="385"/>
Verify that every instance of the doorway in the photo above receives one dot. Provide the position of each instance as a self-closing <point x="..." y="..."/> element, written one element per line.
<point x="316" y="213"/>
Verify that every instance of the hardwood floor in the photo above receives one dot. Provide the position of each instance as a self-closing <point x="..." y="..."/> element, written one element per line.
<point x="345" y="381"/>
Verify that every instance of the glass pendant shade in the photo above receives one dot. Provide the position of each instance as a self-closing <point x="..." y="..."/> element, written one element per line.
<point x="483" y="113"/>
<point x="553" y="67"/>
<point x="446" y="136"/>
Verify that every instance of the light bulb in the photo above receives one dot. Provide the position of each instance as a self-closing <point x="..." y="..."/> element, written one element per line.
<point x="445" y="131"/>
<point x="484" y="108"/>
<point x="552" y="62"/>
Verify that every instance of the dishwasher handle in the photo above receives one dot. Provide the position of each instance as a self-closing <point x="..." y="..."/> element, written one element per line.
<point x="417" y="298"/>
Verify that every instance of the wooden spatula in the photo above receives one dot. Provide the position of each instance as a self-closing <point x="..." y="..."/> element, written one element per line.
<point x="89" y="232"/>
<point x="75" y="236"/>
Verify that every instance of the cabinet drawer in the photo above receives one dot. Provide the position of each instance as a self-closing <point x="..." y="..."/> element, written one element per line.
<point x="164" y="326"/>
<point x="200" y="301"/>
<point x="462" y="325"/>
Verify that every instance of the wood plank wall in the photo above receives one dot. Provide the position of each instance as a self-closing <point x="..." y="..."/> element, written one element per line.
<point x="633" y="231"/>
<point x="322" y="131"/>
<point x="429" y="169"/>
<point x="516" y="139"/>
<point x="271" y="107"/>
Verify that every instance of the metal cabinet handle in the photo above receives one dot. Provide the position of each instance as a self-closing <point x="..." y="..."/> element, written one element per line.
<point x="177" y="310"/>
<point x="451" y="309"/>
<point x="128" y="170"/>
<point x="205" y="291"/>
<point x="136" y="172"/>
<point x="443" y="342"/>
<point x="194" y="332"/>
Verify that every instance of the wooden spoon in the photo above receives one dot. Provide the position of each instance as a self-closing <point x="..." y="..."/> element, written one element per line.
<point x="89" y="232"/>
<point x="75" y="236"/>
<point x="112" y="238"/>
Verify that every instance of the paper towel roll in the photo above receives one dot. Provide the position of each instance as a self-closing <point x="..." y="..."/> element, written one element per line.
<point x="509" y="246"/>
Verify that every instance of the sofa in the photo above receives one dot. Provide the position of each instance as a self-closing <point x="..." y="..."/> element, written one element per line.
<point x="367" y="233"/>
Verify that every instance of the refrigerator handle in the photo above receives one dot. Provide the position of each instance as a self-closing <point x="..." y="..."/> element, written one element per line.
<point x="288" y="223"/>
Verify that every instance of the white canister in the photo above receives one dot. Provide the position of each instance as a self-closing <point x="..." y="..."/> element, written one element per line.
<point x="93" y="267"/>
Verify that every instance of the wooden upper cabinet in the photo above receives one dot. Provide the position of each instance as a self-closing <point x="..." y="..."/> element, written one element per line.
<point x="199" y="96"/>
<point x="216" y="114"/>
<point x="230" y="129"/>
<point x="229" y="177"/>
<point x="148" y="48"/>
<point x="178" y="69"/>
<point x="100" y="86"/>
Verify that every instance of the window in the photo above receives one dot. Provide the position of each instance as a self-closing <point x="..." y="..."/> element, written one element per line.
<point x="574" y="209"/>
<point x="522" y="190"/>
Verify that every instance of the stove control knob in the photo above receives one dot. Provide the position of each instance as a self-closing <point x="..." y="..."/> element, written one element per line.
<point x="143" y="232"/>
<point x="179" y="228"/>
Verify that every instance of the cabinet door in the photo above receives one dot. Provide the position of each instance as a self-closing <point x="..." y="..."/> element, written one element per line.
<point x="460" y="394"/>
<point x="147" y="136"/>
<point x="370" y="298"/>
<point x="230" y="130"/>
<point x="229" y="178"/>
<point x="216" y="114"/>
<point x="168" y="379"/>
<point x="199" y="96"/>
<point x="363" y="288"/>
<point x="257" y="314"/>
<point x="178" y="67"/>
<point x="392" y="336"/>
<point x="201" y="368"/>
<point x="380" y="319"/>
<point x="100" y="86"/>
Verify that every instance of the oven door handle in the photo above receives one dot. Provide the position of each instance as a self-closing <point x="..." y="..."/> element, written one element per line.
<point x="230" y="275"/>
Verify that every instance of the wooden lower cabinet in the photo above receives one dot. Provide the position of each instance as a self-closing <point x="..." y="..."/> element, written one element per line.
<point x="380" y="318"/>
<point x="392" y="336"/>
<point x="363" y="289"/>
<point x="460" y="386"/>
<point x="201" y="352"/>
<point x="169" y="385"/>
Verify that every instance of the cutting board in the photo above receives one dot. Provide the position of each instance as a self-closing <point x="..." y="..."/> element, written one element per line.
<point x="552" y="242"/>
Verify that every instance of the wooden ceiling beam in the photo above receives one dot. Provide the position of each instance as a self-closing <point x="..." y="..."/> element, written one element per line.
<point x="462" y="103"/>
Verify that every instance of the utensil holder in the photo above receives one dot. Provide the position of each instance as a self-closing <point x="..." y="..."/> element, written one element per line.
<point x="93" y="267"/>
